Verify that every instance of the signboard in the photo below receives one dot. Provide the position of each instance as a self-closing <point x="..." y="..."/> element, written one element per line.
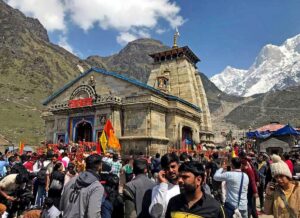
<point x="80" y="102"/>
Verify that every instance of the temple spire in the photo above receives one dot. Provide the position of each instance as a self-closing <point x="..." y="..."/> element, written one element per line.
<point x="176" y="35"/>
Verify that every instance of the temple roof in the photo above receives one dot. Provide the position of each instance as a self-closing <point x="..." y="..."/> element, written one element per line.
<point x="272" y="127"/>
<point x="119" y="76"/>
<point x="175" y="53"/>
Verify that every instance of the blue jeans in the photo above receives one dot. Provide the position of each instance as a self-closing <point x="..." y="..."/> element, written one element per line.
<point x="41" y="195"/>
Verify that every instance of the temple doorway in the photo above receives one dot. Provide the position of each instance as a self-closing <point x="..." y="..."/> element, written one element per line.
<point x="84" y="132"/>
<point x="187" y="137"/>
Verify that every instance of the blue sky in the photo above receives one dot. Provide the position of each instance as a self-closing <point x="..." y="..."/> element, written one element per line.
<point x="220" y="32"/>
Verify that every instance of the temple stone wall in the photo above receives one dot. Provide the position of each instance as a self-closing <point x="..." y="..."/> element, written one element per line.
<point x="206" y="118"/>
<point x="49" y="129"/>
<point x="116" y="122"/>
<point x="135" y="122"/>
<point x="182" y="80"/>
<point x="158" y="124"/>
<point x="146" y="146"/>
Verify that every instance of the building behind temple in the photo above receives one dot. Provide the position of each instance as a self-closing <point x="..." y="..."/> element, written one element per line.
<point x="171" y="109"/>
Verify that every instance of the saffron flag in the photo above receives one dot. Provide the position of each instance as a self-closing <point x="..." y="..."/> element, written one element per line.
<point x="21" y="147"/>
<point x="113" y="141"/>
<point x="233" y="154"/>
<point x="103" y="142"/>
<point x="108" y="126"/>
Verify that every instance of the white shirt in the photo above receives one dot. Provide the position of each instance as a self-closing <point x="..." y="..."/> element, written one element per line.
<point x="161" y="194"/>
<point x="233" y="182"/>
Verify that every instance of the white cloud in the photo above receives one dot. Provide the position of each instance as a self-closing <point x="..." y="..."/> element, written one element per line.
<point x="160" y="31"/>
<point x="125" y="37"/>
<point x="123" y="15"/>
<point x="131" y="18"/>
<point x="51" y="13"/>
<point x="63" y="42"/>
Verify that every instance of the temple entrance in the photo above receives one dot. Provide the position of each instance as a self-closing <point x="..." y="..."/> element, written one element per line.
<point x="187" y="137"/>
<point x="84" y="132"/>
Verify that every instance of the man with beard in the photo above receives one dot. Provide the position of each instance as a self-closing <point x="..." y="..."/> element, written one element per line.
<point x="193" y="202"/>
<point x="168" y="185"/>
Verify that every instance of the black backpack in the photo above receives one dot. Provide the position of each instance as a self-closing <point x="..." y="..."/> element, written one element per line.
<point x="23" y="174"/>
<point x="41" y="175"/>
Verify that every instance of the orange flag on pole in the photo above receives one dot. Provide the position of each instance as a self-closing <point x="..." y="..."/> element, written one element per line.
<point x="21" y="147"/>
<point x="113" y="141"/>
<point x="108" y="126"/>
<point x="233" y="155"/>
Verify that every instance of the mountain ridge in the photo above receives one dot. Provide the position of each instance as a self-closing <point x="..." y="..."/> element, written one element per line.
<point x="274" y="68"/>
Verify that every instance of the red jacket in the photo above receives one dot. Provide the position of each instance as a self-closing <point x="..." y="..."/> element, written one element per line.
<point x="252" y="182"/>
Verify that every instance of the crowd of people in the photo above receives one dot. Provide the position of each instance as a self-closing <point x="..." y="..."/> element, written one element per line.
<point x="174" y="185"/>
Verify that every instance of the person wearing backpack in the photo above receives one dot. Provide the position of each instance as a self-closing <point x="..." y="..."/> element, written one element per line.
<point x="82" y="195"/>
<point x="41" y="180"/>
<point x="112" y="202"/>
<point x="56" y="183"/>
<point x="211" y="168"/>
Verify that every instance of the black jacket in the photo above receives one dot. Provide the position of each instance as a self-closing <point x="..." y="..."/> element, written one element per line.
<point x="206" y="207"/>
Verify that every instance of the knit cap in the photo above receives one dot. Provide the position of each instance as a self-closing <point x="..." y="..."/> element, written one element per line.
<point x="279" y="167"/>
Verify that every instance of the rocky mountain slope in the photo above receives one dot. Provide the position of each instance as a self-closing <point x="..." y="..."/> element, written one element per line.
<point x="133" y="60"/>
<point x="281" y="106"/>
<point x="30" y="69"/>
<point x="275" y="68"/>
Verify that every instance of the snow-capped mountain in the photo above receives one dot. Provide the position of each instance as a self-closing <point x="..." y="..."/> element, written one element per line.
<point x="275" y="67"/>
<point x="228" y="79"/>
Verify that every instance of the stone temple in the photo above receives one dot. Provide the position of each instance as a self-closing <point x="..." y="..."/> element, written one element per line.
<point x="169" y="111"/>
